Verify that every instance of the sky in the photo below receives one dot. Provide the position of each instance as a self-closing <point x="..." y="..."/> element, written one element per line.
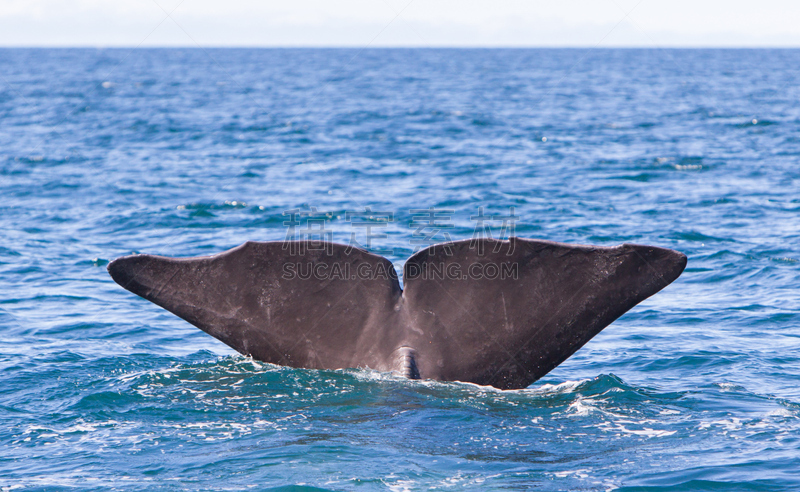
<point x="382" y="23"/>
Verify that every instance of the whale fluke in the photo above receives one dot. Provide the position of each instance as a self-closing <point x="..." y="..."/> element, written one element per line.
<point x="491" y="312"/>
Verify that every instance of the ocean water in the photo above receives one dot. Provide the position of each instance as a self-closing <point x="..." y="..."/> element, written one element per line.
<point x="186" y="152"/>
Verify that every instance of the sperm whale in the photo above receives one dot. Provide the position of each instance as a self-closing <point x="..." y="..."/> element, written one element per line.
<point x="491" y="312"/>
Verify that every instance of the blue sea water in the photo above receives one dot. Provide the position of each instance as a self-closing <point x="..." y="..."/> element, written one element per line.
<point x="186" y="152"/>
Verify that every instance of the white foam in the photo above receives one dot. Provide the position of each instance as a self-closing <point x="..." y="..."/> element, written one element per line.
<point x="565" y="387"/>
<point x="582" y="408"/>
<point x="581" y="473"/>
<point x="644" y="432"/>
<point x="728" y="424"/>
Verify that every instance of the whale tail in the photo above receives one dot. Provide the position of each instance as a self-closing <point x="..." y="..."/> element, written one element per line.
<point x="500" y="313"/>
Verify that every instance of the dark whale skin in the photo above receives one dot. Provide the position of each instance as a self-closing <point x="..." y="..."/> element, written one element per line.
<point x="490" y="312"/>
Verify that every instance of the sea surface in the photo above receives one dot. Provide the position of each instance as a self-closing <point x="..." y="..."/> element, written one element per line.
<point x="185" y="152"/>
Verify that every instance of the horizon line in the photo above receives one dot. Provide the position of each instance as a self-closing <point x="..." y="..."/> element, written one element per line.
<point x="348" y="46"/>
